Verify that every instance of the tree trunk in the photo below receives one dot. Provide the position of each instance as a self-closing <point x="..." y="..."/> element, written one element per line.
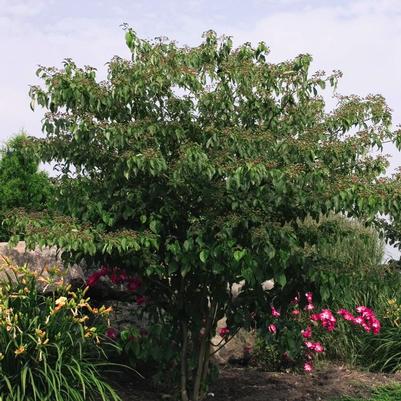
<point x="184" y="393"/>
<point x="204" y="355"/>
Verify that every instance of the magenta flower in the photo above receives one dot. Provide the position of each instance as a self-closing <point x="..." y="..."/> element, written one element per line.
<point x="275" y="312"/>
<point x="272" y="328"/>
<point x="295" y="312"/>
<point x="317" y="347"/>
<point x="93" y="279"/>
<point x="367" y="320"/>
<point x="364" y="310"/>
<point x="123" y="276"/>
<point x="307" y="333"/>
<point x="140" y="300"/>
<point x="309" y="297"/>
<point x="308" y="367"/>
<point x="309" y="307"/>
<point x="115" y="278"/>
<point x="327" y="319"/>
<point x="366" y="327"/>
<point x="376" y="327"/>
<point x="134" y="284"/>
<point x="224" y="331"/>
<point x="112" y="333"/>
<point x="346" y="315"/>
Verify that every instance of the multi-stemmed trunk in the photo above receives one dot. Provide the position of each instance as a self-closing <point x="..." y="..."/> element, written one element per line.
<point x="202" y="350"/>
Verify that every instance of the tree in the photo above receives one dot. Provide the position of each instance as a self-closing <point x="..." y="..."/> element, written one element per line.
<point x="193" y="167"/>
<point x="22" y="185"/>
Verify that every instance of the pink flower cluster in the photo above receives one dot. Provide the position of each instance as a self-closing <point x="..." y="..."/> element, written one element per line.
<point x="117" y="276"/>
<point x="366" y="319"/>
<point x="307" y="333"/>
<point x="326" y="318"/>
<point x="316" y="347"/>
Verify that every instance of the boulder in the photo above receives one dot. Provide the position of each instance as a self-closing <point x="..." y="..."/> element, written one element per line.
<point x="239" y="348"/>
<point x="236" y="350"/>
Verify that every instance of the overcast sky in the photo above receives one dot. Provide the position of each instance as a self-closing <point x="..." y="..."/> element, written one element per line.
<point x="362" y="38"/>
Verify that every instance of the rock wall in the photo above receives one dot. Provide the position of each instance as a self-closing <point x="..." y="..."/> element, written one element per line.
<point x="39" y="260"/>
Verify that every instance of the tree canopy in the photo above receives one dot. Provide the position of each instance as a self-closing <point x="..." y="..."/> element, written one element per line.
<point x="22" y="185"/>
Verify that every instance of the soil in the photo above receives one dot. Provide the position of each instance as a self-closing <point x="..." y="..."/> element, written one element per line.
<point x="250" y="384"/>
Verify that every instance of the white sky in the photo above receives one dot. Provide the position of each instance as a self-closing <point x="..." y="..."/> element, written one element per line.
<point x="362" y="38"/>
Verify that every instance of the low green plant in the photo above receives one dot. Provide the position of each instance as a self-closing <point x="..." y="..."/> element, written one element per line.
<point x="384" y="353"/>
<point x="154" y="350"/>
<point x="385" y="393"/>
<point x="49" y="342"/>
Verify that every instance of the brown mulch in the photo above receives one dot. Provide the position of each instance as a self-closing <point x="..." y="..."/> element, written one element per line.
<point x="249" y="384"/>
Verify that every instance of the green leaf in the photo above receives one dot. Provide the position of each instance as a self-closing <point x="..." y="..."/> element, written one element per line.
<point x="153" y="226"/>
<point x="203" y="255"/>
<point x="281" y="279"/>
<point x="239" y="254"/>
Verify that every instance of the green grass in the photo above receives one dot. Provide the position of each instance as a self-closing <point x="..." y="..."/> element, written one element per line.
<point x="386" y="393"/>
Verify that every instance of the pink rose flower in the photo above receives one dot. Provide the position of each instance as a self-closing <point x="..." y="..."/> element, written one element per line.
<point x="275" y="312"/>
<point x="307" y="333"/>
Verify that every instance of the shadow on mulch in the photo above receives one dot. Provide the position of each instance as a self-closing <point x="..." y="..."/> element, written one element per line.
<point x="249" y="384"/>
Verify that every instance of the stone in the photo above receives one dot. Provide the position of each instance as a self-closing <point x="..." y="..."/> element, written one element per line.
<point x="236" y="350"/>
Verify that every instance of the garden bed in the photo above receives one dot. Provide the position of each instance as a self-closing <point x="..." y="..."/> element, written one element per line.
<point x="249" y="384"/>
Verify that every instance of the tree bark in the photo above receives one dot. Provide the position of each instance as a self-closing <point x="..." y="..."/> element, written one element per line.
<point x="204" y="355"/>
<point x="184" y="393"/>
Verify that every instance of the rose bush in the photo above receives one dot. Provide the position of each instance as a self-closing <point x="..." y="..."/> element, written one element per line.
<point x="297" y="334"/>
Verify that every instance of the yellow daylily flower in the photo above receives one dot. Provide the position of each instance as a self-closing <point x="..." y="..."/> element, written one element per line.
<point x="20" y="350"/>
